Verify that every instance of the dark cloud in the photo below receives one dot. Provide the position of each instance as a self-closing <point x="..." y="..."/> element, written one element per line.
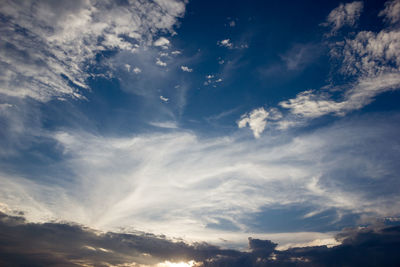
<point x="64" y="244"/>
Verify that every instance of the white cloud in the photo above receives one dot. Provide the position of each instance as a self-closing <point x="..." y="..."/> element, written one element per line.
<point x="370" y="54"/>
<point x="164" y="98"/>
<point x="161" y="63"/>
<point x="165" y="124"/>
<point x="211" y="80"/>
<point x="226" y="43"/>
<point x="162" y="42"/>
<point x="313" y="104"/>
<point x="256" y="120"/>
<point x="58" y="41"/>
<point x="128" y="67"/>
<point x="391" y="13"/>
<point x="344" y="15"/>
<point x="371" y="59"/>
<point x="186" y="69"/>
<point x="176" y="52"/>
<point x="137" y="70"/>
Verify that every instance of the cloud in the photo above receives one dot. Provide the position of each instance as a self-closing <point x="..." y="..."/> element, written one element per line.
<point x="313" y="104"/>
<point x="344" y="15"/>
<point x="165" y="124"/>
<point x="370" y="54"/>
<point x="164" y="98"/>
<point x="180" y="184"/>
<point x="137" y="70"/>
<point x="47" y="48"/>
<point x="371" y="59"/>
<point x="162" y="42"/>
<point x="186" y="69"/>
<point x="391" y="13"/>
<point x="212" y="80"/>
<point x="225" y="43"/>
<point x="161" y="63"/>
<point x="64" y="244"/>
<point x="257" y="120"/>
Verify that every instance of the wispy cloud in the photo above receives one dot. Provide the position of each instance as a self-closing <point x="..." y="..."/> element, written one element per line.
<point x="371" y="61"/>
<point x="47" y="48"/>
<point x="179" y="183"/>
<point x="344" y="15"/>
<point x="391" y="13"/>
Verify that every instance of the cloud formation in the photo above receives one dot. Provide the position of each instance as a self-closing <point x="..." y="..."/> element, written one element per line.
<point x="344" y="15"/>
<point x="204" y="189"/>
<point x="257" y="120"/>
<point x="63" y="244"/>
<point x="391" y="13"/>
<point x="47" y="48"/>
<point x="369" y="62"/>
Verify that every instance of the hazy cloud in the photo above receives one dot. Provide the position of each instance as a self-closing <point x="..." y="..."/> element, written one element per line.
<point x="344" y="15"/>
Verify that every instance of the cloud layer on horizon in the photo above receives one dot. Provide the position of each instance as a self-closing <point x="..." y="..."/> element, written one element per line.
<point x="64" y="244"/>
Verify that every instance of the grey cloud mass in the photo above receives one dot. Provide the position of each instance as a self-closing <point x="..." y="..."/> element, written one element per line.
<point x="63" y="244"/>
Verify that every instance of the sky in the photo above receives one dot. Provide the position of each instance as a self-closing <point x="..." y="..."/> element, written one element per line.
<point x="199" y="133"/>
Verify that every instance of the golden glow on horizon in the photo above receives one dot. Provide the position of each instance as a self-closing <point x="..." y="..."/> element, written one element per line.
<point x="176" y="264"/>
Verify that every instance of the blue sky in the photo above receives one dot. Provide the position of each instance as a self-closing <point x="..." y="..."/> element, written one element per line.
<point x="202" y="120"/>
